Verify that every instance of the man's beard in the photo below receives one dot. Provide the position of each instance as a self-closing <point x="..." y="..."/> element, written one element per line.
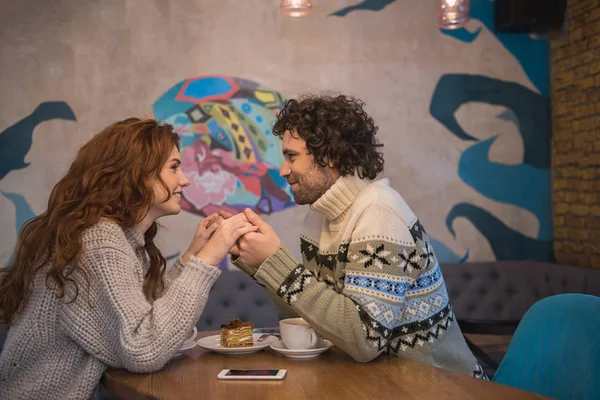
<point x="312" y="185"/>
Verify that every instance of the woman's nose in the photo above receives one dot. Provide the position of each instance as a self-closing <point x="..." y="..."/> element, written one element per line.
<point x="184" y="181"/>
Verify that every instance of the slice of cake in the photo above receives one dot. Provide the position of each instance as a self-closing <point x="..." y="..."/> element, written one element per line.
<point x="237" y="334"/>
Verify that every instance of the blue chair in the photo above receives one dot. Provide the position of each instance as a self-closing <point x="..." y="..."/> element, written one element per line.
<point x="555" y="350"/>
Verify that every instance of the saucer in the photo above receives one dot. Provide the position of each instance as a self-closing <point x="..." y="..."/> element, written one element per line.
<point x="322" y="346"/>
<point x="189" y="343"/>
<point x="187" y="346"/>
<point x="184" y="347"/>
<point x="213" y="343"/>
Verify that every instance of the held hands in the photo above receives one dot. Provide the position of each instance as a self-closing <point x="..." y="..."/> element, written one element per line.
<point x="224" y="238"/>
<point x="255" y="247"/>
<point x="253" y="242"/>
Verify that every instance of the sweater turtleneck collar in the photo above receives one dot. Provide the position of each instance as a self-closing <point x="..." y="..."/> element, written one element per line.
<point x="336" y="201"/>
<point x="135" y="237"/>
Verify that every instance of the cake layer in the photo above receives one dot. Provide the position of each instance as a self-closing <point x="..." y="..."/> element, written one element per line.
<point x="237" y="334"/>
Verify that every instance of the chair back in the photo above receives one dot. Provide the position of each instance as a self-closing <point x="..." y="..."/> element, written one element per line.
<point x="555" y="350"/>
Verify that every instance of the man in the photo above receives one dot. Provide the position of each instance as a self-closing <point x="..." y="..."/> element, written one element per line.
<point x="369" y="281"/>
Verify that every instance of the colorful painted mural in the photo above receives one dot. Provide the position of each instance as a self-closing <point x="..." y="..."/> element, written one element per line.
<point x="228" y="152"/>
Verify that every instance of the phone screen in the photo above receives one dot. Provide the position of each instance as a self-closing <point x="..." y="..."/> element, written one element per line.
<point x="252" y="372"/>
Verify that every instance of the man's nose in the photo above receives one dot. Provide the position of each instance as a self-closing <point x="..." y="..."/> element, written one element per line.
<point x="285" y="170"/>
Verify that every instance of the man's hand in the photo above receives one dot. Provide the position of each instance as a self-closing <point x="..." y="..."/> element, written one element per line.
<point x="255" y="247"/>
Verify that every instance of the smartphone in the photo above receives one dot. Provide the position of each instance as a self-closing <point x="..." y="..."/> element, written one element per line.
<point x="252" y="374"/>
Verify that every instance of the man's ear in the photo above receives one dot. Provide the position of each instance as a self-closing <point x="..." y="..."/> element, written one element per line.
<point x="329" y="162"/>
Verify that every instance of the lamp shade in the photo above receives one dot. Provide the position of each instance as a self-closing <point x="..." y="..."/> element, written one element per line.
<point x="296" y="8"/>
<point x="453" y="14"/>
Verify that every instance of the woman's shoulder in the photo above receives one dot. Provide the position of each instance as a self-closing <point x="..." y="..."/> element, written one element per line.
<point x="104" y="233"/>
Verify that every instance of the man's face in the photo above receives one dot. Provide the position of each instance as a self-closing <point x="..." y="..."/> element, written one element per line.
<point x="308" y="180"/>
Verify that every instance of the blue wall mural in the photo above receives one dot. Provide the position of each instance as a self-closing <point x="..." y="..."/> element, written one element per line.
<point x="526" y="185"/>
<point x="370" y="5"/>
<point x="15" y="143"/>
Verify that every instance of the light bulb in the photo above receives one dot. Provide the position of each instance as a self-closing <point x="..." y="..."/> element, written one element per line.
<point x="453" y="14"/>
<point x="296" y="8"/>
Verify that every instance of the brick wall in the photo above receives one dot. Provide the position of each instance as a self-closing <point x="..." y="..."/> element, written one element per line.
<point x="575" y="92"/>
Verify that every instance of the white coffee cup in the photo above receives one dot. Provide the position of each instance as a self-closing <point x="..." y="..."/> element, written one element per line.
<point x="297" y="334"/>
<point x="191" y="337"/>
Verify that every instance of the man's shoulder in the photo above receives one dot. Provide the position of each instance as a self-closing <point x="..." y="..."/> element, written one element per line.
<point x="380" y="196"/>
<point x="379" y="191"/>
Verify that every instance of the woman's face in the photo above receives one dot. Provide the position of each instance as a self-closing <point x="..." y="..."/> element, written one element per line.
<point x="172" y="175"/>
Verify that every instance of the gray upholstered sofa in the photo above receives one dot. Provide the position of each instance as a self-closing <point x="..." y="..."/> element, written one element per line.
<point x="236" y="295"/>
<point x="504" y="290"/>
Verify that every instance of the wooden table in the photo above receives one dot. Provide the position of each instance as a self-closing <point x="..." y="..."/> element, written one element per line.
<point x="331" y="375"/>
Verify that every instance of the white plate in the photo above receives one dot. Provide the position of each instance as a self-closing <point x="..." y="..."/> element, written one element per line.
<point x="214" y="343"/>
<point x="322" y="346"/>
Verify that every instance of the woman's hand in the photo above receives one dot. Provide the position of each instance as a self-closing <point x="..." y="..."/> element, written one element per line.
<point x="224" y="238"/>
<point x="235" y="250"/>
<point x="204" y="231"/>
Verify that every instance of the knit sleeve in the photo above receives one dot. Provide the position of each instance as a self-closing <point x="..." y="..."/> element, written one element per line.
<point x="172" y="273"/>
<point x="390" y="288"/>
<point x="112" y="320"/>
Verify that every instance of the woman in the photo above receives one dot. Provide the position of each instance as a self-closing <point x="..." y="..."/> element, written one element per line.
<point x="88" y="287"/>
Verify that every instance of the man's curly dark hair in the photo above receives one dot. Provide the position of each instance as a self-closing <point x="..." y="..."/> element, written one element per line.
<point x="336" y="129"/>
